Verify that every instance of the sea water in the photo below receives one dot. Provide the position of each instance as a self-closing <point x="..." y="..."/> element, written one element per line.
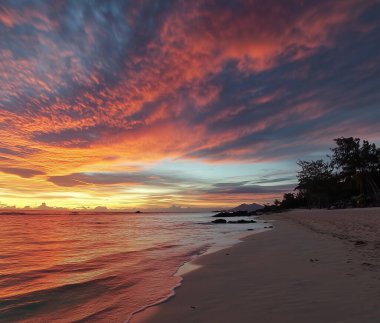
<point x="104" y="267"/>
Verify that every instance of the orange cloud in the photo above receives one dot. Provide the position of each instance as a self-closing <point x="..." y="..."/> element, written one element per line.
<point x="209" y="80"/>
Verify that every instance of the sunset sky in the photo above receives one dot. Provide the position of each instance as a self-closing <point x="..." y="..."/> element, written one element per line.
<point x="149" y="104"/>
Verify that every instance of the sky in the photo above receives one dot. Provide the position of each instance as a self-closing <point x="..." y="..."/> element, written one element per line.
<point x="178" y="104"/>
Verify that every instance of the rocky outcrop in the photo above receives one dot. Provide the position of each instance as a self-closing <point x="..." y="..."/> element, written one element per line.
<point x="219" y="221"/>
<point x="242" y="221"/>
<point x="233" y="214"/>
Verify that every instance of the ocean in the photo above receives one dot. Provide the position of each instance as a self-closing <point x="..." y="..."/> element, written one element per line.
<point x="101" y="267"/>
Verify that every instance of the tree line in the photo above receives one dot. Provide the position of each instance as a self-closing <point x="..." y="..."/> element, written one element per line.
<point x="349" y="177"/>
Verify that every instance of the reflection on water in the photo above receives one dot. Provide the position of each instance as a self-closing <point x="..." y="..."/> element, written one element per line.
<point x="102" y="267"/>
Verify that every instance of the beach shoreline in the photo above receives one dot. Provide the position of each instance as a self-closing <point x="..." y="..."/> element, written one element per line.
<point x="187" y="267"/>
<point x="290" y="274"/>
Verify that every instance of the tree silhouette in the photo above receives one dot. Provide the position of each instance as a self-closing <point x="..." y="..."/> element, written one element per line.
<point x="350" y="177"/>
<point x="358" y="163"/>
<point x="315" y="180"/>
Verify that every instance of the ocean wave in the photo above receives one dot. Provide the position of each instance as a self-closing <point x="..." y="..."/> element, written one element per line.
<point x="28" y="304"/>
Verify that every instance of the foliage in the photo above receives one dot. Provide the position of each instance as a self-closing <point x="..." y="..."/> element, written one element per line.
<point x="358" y="164"/>
<point x="349" y="177"/>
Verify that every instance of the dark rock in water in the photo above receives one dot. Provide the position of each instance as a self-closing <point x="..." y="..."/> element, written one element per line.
<point x="217" y="221"/>
<point x="233" y="222"/>
<point x="249" y="229"/>
<point x="360" y="243"/>
<point x="242" y="221"/>
<point x="232" y="214"/>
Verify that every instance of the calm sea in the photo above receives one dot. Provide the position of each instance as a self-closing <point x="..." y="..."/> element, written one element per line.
<point x="97" y="267"/>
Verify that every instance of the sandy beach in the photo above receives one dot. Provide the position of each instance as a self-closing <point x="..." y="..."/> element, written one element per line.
<point x="314" y="266"/>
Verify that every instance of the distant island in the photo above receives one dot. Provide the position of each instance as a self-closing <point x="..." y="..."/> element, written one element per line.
<point x="247" y="207"/>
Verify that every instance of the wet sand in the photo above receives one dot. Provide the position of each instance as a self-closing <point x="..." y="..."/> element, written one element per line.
<point x="314" y="266"/>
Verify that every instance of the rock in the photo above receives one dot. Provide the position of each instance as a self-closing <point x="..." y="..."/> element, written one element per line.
<point x="231" y="214"/>
<point x="218" y="221"/>
<point x="249" y="229"/>
<point x="242" y="221"/>
<point x="360" y="243"/>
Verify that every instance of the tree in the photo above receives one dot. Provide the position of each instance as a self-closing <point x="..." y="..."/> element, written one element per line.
<point x="315" y="180"/>
<point x="290" y="201"/>
<point x="357" y="163"/>
<point x="351" y="176"/>
<point x="277" y="203"/>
